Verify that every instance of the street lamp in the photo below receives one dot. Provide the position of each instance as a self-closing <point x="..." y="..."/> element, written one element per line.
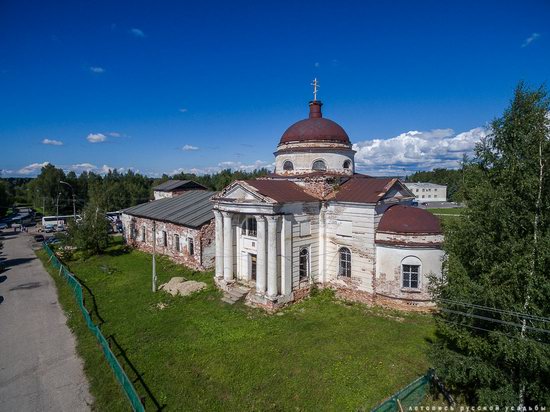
<point x="74" y="199"/>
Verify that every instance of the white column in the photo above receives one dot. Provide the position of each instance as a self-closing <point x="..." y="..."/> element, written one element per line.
<point x="219" y="243"/>
<point x="272" y="287"/>
<point x="286" y="255"/>
<point x="261" y="269"/>
<point x="227" y="247"/>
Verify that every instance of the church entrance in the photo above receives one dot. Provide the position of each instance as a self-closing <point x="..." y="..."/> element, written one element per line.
<point x="252" y="266"/>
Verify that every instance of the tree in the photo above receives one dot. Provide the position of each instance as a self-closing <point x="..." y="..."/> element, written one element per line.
<point x="499" y="259"/>
<point x="91" y="234"/>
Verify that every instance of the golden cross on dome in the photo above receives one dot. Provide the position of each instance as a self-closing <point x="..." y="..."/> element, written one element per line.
<point x="315" y="85"/>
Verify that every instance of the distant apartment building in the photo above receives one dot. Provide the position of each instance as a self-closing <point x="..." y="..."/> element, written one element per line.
<point x="428" y="192"/>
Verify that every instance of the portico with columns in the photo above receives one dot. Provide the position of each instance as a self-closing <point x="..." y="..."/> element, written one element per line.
<point x="253" y="245"/>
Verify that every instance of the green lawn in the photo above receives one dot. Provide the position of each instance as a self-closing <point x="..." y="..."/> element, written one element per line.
<point x="201" y="354"/>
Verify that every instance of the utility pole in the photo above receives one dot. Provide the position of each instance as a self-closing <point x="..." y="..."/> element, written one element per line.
<point x="57" y="211"/>
<point x="74" y="198"/>
<point x="154" y="256"/>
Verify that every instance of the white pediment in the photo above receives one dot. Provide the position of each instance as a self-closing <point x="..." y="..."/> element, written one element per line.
<point x="397" y="191"/>
<point x="241" y="192"/>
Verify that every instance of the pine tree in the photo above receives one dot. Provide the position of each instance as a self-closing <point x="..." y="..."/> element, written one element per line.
<point x="498" y="256"/>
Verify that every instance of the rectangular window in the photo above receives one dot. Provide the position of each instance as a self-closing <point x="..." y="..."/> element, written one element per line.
<point x="143" y="234"/>
<point x="410" y="276"/>
<point x="190" y="246"/>
<point x="177" y="242"/>
<point x="164" y="239"/>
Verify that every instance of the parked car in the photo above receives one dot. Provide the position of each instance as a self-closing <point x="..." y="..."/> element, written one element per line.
<point x="53" y="241"/>
<point x="3" y="226"/>
<point x="48" y="228"/>
<point x="39" y="238"/>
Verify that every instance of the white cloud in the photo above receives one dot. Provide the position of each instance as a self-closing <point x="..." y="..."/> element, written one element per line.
<point x="97" y="69"/>
<point x="96" y="138"/>
<point x="258" y="164"/>
<point x="52" y="142"/>
<point x="188" y="148"/>
<point x="183" y="110"/>
<point x="416" y="150"/>
<point x="33" y="168"/>
<point x="137" y="32"/>
<point x="316" y="64"/>
<point x="82" y="167"/>
<point x="115" y="134"/>
<point x="530" y="39"/>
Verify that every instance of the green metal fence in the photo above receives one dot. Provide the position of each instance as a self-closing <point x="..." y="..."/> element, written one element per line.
<point x="120" y="375"/>
<point x="411" y="395"/>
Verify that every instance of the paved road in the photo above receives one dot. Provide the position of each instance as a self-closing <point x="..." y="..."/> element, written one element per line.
<point x="39" y="368"/>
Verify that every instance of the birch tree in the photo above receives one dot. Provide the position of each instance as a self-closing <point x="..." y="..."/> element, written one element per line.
<point x="493" y="328"/>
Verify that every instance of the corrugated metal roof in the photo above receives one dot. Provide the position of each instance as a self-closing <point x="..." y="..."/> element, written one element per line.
<point x="281" y="190"/>
<point x="192" y="208"/>
<point x="363" y="189"/>
<point x="170" y="185"/>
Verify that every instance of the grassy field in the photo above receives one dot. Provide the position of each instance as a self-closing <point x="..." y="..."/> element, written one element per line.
<point x="201" y="354"/>
<point x="447" y="215"/>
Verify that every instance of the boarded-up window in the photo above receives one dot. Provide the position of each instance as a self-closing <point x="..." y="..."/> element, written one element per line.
<point x="305" y="228"/>
<point x="190" y="246"/>
<point x="343" y="228"/>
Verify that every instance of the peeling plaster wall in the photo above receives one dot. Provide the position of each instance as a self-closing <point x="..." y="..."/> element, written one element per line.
<point x="301" y="216"/>
<point x="203" y="240"/>
<point x="360" y="243"/>
<point x="388" y="274"/>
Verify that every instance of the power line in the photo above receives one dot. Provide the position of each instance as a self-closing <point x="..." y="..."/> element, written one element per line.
<point x="496" y="310"/>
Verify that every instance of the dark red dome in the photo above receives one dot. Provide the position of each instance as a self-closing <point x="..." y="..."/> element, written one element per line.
<point x="315" y="129"/>
<point x="408" y="219"/>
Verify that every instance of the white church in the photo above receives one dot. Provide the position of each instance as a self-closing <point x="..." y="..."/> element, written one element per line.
<point x="315" y="221"/>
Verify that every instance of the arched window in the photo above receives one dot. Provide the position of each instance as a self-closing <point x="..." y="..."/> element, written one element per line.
<point x="319" y="165"/>
<point x="347" y="164"/>
<point x="304" y="264"/>
<point x="345" y="262"/>
<point x="287" y="165"/>
<point x="250" y="226"/>
<point x="411" y="272"/>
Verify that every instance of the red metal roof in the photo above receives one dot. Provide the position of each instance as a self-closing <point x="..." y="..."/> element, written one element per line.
<point x="281" y="190"/>
<point x="408" y="219"/>
<point x="315" y="129"/>
<point x="364" y="189"/>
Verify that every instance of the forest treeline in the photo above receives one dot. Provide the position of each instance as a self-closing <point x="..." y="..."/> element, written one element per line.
<point x="112" y="191"/>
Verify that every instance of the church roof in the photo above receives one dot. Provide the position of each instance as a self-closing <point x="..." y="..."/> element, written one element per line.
<point x="408" y="219"/>
<point x="192" y="209"/>
<point x="171" y="185"/>
<point x="364" y="189"/>
<point x="281" y="191"/>
<point x="315" y="129"/>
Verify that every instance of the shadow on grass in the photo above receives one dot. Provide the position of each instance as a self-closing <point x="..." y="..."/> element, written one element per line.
<point x="117" y="251"/>
<point x="139" y="377"/>
<point x="95" y="311"/>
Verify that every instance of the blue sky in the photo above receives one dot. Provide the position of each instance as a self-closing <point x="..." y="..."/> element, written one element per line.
<point x="197" y="86"/>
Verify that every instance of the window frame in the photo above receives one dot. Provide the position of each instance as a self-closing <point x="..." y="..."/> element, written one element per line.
<point x="347" y="164"/>
<point x="288" y="162"/>
<point x="307" y="275"/>
<point x="344" y="264"/>
<point x="319" y="161"/>
<point x="406" y="275"/>
<point x="177" y="245"/>
<point x="247" y="229"/>
<point x="190" y="246"/>
<point x="143" y="234"/>
<point x="164" y="238"/>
